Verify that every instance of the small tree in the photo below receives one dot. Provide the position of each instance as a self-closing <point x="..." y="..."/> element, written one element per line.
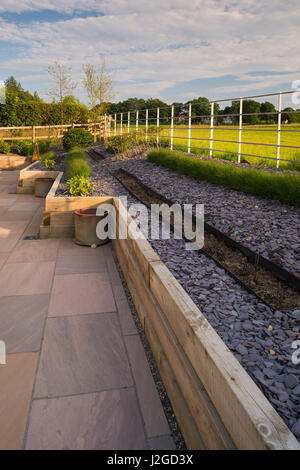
<point x="99" y="86"/>
<point x="90" y="83"/>
<point x="62" y="84"/>
<point x="105" y="87"/>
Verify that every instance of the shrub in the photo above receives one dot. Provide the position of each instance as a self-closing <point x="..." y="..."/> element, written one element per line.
<point x="44" y="145"/>
<point x="281" y="186"/>
<point x="77" y="138"/>
<point x="79" y="186"/>
<point x="76" y="164"/>
<point x="120" y="143"/>
<point x="49" y="160"/>
<point x="25" y="148"/>
<point x="4" y="146"/>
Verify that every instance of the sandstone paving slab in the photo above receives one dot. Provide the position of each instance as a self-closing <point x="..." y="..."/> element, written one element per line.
<point x="16" y="383"/>
<point x="80" y="264"/>
<point x="81" y="354"/>
<point x="74" y="294"/>
<point x="26" y="278"/>
<point x="161" y="443"/>
<point x="24" y="206"/>
<point x="154" y="418"/>
<point x="97" y="421"/>
<point x="68" y="247"/>
<point x="8" y="242"/>
<point x="22" y="320"/>
<point x="6" y="215"/>
<point x="34" y="250"/>
<point x="126" y="320"/>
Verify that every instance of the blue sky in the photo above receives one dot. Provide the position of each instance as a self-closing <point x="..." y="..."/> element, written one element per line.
<point x="173" y="50"/>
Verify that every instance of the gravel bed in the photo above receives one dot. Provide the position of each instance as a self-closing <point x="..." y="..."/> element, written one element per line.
<point x="265" y="226"/>
<point x="260" y="339"/>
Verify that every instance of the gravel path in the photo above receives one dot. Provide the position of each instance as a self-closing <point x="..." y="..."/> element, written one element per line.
<point x="267" y="227"/>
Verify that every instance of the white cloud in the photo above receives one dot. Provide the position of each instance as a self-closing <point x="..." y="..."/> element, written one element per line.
<point x="165" y="43"/>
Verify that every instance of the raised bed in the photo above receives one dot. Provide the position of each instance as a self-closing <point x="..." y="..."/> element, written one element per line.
<point x="28" y="176"/>
<point x="216" y="403"/>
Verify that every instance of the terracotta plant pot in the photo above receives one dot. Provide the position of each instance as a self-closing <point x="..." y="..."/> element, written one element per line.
<point x="86" y="222"/>
<point x="42" y="186"/>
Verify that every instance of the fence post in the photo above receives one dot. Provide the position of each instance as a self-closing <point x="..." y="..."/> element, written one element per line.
<point x="278" y="129"/>
<point x="190" y="125"/>
<point x="121" y="124"/>
<point x="157" y="125"/>
<point x="115" y="125"/>
<point x="172" y="126"/>
<point x="146" y="125"/>
<point x="240" y="129"/>
<point x="137" y="121"/>
<point x="33" y="134"/>
<point x="128" y="122"/>
<point x="109" y="125"/>
<point x="211" y="128"/>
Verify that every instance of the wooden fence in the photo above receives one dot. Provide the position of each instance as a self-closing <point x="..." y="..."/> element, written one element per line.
<point x="35" y="133"/>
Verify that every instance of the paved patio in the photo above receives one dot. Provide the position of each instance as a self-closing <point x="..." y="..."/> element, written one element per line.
<point x="76" y="375"/>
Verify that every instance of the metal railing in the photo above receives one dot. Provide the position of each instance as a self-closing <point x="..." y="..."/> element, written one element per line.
<point x="165" y="123"/>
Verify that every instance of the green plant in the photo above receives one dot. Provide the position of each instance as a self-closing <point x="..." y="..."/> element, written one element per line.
<point x="77" y="138"/>
<point x="4" y="147"/>
<point x="49" y="160"/>
<point x="120" y="143"/>
<point x="76" y="164"/>
<point x="284" y="187"/>
<point x="25" y="148"/>
<point x="79" y="186"/>
<point x="44" y="145"/>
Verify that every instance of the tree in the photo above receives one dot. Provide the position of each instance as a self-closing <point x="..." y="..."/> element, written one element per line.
<point x="268" y="107"/>
<point x="90" y="83"/>
<point x="105" y="90"/>
<point x="62" y="84"/>
<point x="99" y="87"/>
<point x="289" y="115"/>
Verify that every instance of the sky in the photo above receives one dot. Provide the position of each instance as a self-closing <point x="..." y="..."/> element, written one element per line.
<point x="174" y="50"/>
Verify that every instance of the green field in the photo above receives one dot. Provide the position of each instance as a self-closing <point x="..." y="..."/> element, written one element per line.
<point x="257" y="134"/>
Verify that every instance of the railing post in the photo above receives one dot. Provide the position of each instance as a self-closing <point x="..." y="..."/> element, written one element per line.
<point x="115" y="125"/>
<point x="240" y="129"/>
<point x="109" y="125"/>
<point x="211" y="129"/>
<point x="172" y="126"/>
<point x="146" y="125"/>
<point x="33" y="134"/>
<point x="121" y="124"/>
<point x="157" y="126"/>
<point x="128" y="122"/>
<point x="278" y="129"/>
<point x="190" y="126"/>
<point x="137" y="121"/>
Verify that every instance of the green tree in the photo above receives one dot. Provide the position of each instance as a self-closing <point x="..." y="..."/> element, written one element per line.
<point x="62" y="85"/>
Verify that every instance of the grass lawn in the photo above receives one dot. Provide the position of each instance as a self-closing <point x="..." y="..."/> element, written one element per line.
<point x="284" y="187"/>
